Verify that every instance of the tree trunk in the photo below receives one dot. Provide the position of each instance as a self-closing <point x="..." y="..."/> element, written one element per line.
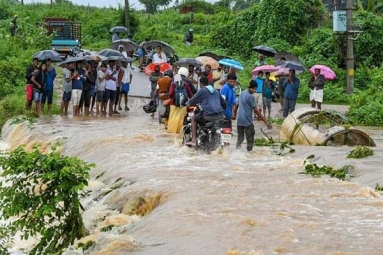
<point x="127" y="22"/>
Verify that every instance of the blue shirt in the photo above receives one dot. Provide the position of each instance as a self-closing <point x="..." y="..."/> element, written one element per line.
<point x="78" y="83"/>
<point x="247" y="104"/>
<point x="229" y="93"/>
<point x="291" y="89"/>
<point x="259" y="82"/>
<point x="51" y="75"/>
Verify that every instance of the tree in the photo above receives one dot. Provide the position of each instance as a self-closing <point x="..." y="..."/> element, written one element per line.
<point x="151" y="6"/>
<point x="374" y="6"/>
<point x="41" y="192"/>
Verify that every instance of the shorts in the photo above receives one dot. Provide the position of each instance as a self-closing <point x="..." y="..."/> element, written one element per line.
<point x="67" y="95"/>
<point x="110" y="95"/>
<point x="47" y="94"/>
<point x="29" y="92"/>
<point x="316" y="95"/>
<point x="37" y="95"/>
<point x="140" y="53"/>
<point x="266" y="102"/>
<point x="258" y="99"/>
<point x="76" y="96"/>
<point x="91" y="91"/>
<point x="100" y="96"/>
<point x="125" y="88"/>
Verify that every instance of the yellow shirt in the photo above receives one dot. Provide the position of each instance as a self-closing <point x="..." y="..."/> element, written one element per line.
<point x="217" y="74"/>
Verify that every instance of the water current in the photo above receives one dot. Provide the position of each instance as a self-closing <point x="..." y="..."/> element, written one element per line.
<point x="232" y="202"/>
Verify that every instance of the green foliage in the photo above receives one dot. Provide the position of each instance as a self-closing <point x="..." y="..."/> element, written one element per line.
<point x="360" y="152"/>
<point x="366" y="106"/>
<point x="261" y="141"/>
<point x="194" y="6"/>
<point x="287" y="20"/>
<point x="151" y="6"/>
<point x="236" y="34"/>
<point x="378" y="187"/>
<point x="107" y="228"/>
<point x="317" y="171"/>
<point x="42" y="191"/>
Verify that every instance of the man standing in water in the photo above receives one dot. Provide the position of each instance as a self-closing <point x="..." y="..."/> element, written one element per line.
<point x="68" y="75"/>
<point x="247" y="105"/>
<point x="227" y="91"/>
<point x="48" y="89"/>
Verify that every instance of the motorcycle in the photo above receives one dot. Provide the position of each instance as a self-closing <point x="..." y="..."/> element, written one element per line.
<point x="210" y="136"/>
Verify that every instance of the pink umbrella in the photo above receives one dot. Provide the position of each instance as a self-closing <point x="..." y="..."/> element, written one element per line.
<point x="265" y="68"/>
<point x="326" y="71"/>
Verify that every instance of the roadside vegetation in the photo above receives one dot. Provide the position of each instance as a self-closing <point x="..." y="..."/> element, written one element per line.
<point x="228" y="28"/>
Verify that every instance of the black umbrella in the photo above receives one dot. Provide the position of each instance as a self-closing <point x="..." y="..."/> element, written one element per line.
<point x="43" y="55"/>
<point x="185" y="62"/>
<point x="213" y="55"/>
<point x="110" y="53"/>
<point x="127" y="44"/>
<point x="297" y="66"/>
<point x="287" y="55"/>
<point x="164" y="46"/>
<point x="119" y="58"/>
<point x="72" y="60"/>
<point x="119" y="29"/>
<point x="265" y="50"/>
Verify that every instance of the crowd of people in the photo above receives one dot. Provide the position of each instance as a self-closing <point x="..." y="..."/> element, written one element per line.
<point x="93" y="87"/>
<point x="102" y="87"/>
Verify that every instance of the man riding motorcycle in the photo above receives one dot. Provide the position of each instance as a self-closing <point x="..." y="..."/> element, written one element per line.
<point x="213" y="105"/>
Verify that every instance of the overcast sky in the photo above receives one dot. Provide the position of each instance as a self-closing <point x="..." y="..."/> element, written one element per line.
<point x="100" y="3"/>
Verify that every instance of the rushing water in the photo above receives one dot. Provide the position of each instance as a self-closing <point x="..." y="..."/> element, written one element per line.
<point x="233" y="202"/>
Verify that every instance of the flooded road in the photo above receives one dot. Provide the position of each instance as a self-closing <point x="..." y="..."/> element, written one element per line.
<point x="233" y="202"/>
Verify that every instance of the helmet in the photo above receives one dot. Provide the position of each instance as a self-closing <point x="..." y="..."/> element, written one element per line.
<point x="190" y="29"/>
<point x="168" y="73"/>
<point x="151" y="107"/>
<point x="183" y="71"/>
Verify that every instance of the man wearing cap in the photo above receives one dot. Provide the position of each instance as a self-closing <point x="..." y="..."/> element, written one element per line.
<point x="14" y="25"/>
<point x="245" y="107"/>
<point x="261" y="61"/>
<point x="316" y="84"/>
<point x="189" y="37"/>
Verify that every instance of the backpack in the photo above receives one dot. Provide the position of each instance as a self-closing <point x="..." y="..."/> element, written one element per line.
<point x="180" y="94"/>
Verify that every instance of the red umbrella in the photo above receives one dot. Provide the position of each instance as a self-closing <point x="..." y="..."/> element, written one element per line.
<point x="163" y="67"/>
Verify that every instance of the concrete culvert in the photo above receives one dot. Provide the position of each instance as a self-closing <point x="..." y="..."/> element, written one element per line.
<point x="309" y="126"/>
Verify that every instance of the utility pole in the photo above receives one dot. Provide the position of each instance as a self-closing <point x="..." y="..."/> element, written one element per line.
<point x="127" y="23"/>
<point x="350" y="48"/>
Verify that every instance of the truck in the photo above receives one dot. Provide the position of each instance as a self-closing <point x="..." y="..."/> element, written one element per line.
<point x="66" y="35"/>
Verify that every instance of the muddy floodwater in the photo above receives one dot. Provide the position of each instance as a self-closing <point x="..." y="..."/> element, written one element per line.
<point x="232" y="202"/>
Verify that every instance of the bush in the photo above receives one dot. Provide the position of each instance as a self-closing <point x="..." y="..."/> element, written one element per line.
<point x="42" y="191"/>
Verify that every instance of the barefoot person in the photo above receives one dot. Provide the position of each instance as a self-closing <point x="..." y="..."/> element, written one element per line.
<point x="316" y="84"/>
<point x="67" y="88"/>
<point x="29" y="84"/>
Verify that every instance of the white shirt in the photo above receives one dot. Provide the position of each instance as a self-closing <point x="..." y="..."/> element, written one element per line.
<point x="127" y="73"/>
<point x="111" y="84"/>
<point x="159" y="58"/>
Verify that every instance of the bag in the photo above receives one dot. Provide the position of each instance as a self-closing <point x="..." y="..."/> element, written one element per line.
<point x="165" y="112"/>
<point x="151" y="107"/>
<point x="180" y="94"/>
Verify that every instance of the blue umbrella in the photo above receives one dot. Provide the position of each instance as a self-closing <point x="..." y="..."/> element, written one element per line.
<point x="231" y="63"/>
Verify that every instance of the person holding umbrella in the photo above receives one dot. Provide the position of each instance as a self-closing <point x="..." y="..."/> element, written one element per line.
<point x="316" y="84"/>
